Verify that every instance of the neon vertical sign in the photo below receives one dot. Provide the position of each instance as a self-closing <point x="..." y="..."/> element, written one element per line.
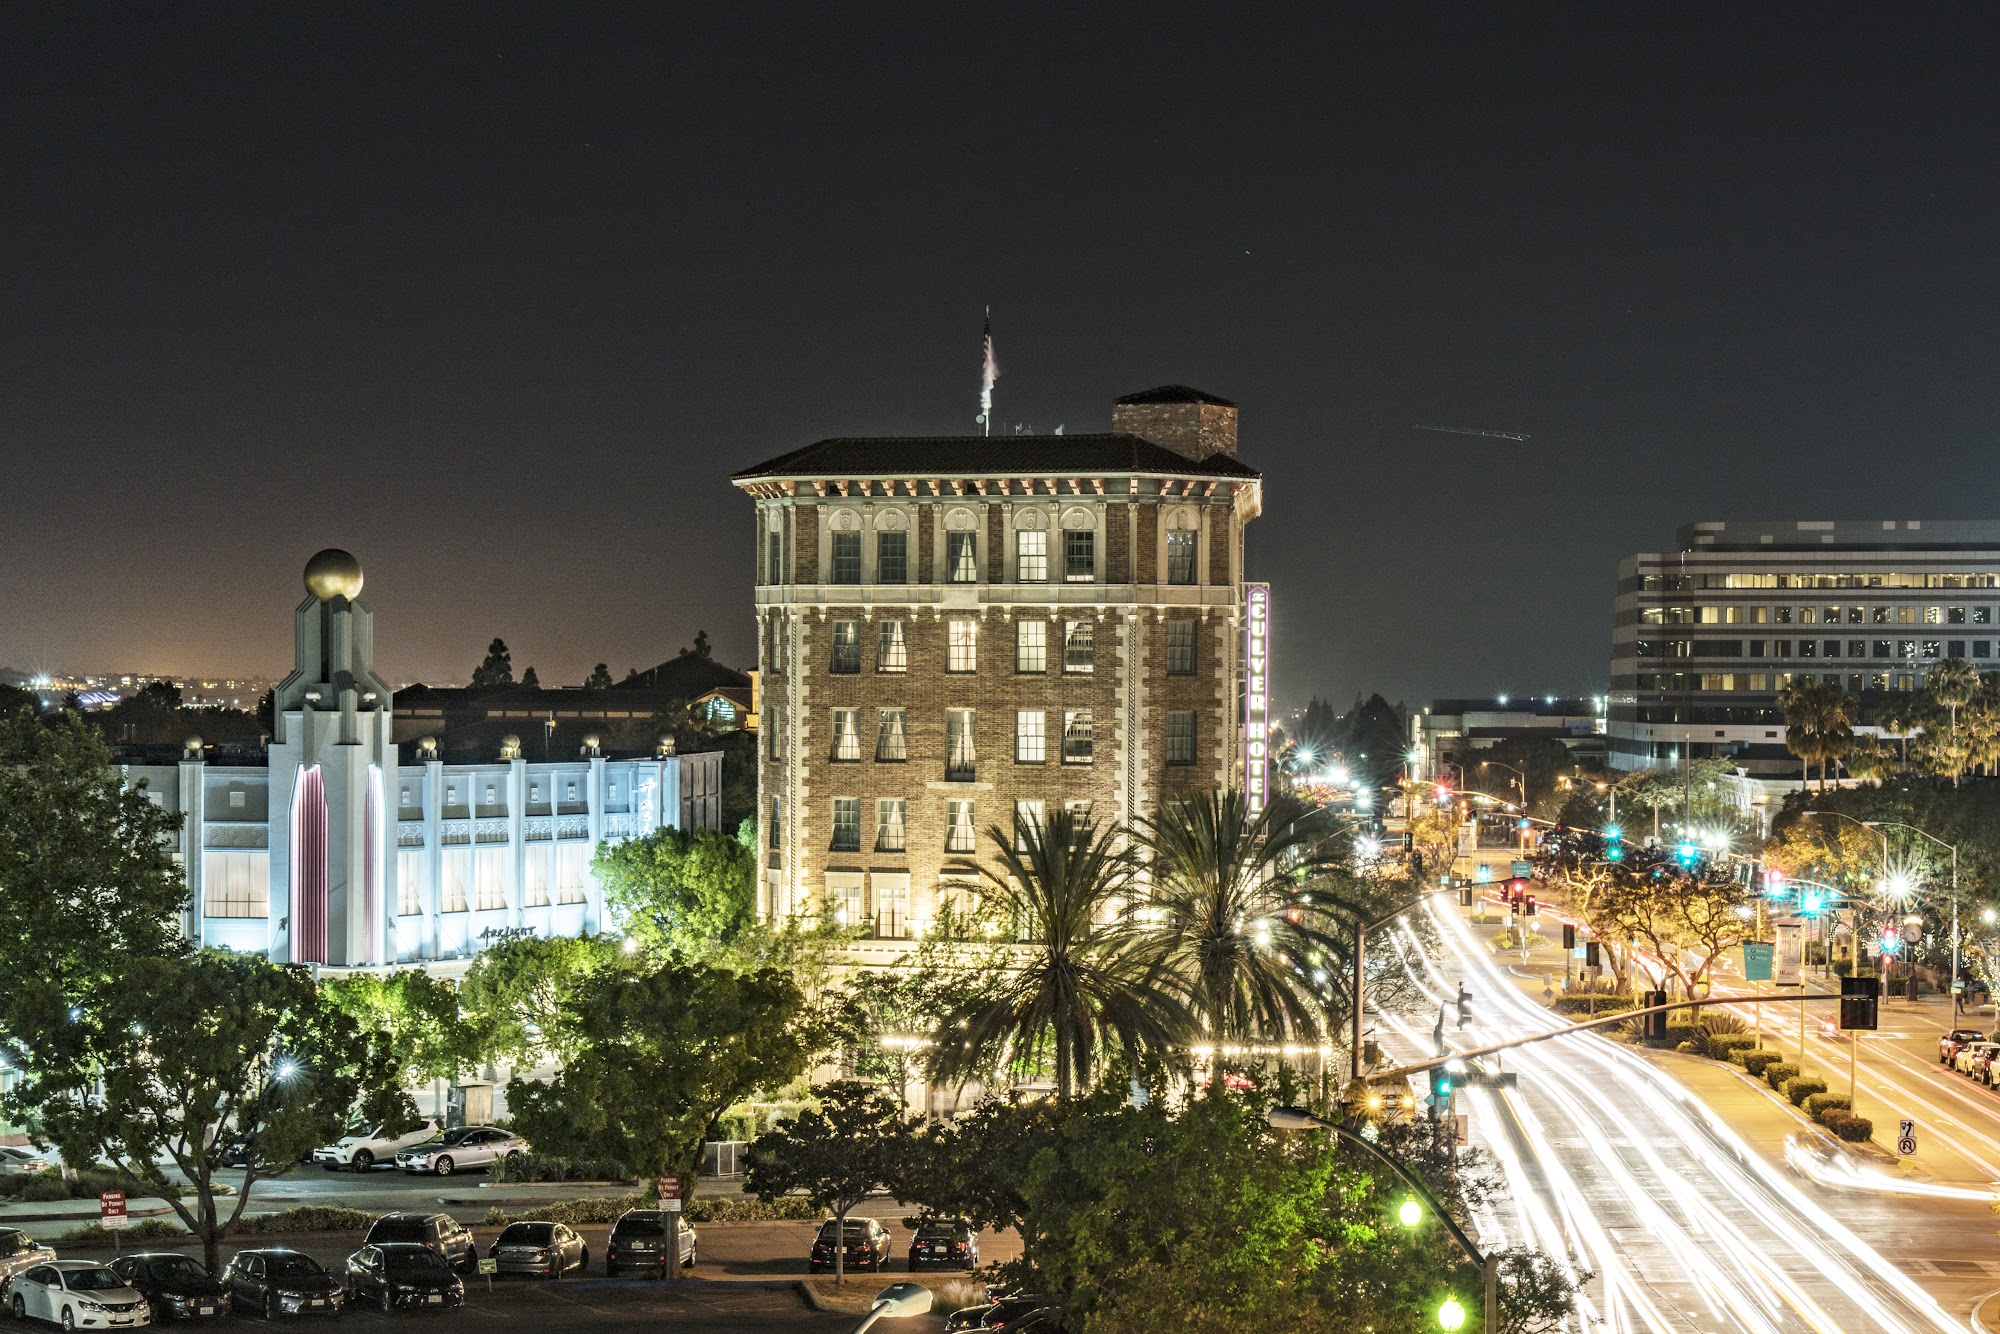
<point x="1256" y="695"/>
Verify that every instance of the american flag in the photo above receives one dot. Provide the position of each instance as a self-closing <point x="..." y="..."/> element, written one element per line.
<point x="989" y="372"/>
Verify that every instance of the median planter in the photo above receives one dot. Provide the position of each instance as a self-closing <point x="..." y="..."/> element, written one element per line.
<point x="1801" y="1087"/>
<point x="1724" y="1046"/>
<point x="1822" y="1105"/>
<point x="1776" y="1075"/>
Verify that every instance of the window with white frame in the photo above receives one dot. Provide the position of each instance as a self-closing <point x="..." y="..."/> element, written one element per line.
<point x="1031" y="736"/>
<point x="491" y="886"/>
<point x="892" y="906"/>
<point x="892" y="647"/>
<point x="962" y="646"/>
<point x="892" y="735"/>
<point x="961" y="558"/>
<point x="846" y="736"/>
<point x="960" y="762"/>
<point x="409" y="882"/>
<point x="1180" y="648"/>
<point x="1077" y="739"/>
<point x="1080" y="557"/>
<point x="456" y="886"/>
<point x="235" y="884"/>
<point x="846" y="825"/>
<point x="892" y="558"/>
<point x="890" y="832"/>
<point x="846" y="558"/>
<point x="1029" y="816"/>
<point x="959" y="834"/>
<point x="572" y="872"/>
<point x="1079" y="646"/>
<point x="1031" y="556"/>
<point x="1031" y="646"/>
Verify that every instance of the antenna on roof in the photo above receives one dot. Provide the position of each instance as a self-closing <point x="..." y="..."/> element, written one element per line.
<point x="989" y="371"/>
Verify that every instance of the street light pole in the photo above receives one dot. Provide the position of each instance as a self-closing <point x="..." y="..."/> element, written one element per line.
<point x="1882" y="827"/>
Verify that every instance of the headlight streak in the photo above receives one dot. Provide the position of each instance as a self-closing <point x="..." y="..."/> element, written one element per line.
<point x="1843" y="1173"/>
<point x="1736" y="1178"/>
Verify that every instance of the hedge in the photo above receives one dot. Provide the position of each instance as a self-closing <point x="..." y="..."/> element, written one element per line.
<point x="1802" y="1087"/>
<point x="145" y="1229"/>
<point x="1679" y="1033"/>
<point x="549" y="1167"/>
<point x="1853" y="1129"/>
<point x="1819" y="1104"/>
<point x="1776" y="1075"/>
<point x="1757" y="1061"/>
<point x="1722" y="1046"/>
<point x="308" y="1218"/>
<point x="1574" y="1005"/>
<point x="701" y="1209"/>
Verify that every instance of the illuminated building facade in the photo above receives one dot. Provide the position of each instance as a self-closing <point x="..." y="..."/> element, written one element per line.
<point x="958" y="633"/>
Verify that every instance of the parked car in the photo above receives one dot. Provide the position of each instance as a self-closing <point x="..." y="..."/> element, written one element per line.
<point x="279" y="1281"/>
<point x="441" y="1234"/>
<point x="639" y="1242"/>
<point x="1953" y="1042"/>
<point x="176" y="1287"/>
<point x="402" y="1273"/>
<point x="365" y="1149"/>
<point x="1970" y="1052"/>
<point x="1000" y="1314"/>
<point x="944" y="1243"/>
<point x="18" y="1251"/>
<point x="456" y="1150"/>
<point x="243" y="1149"/>
<point x="539" y="1248"/>
<point x="866" y="1241"/>
<point x="76" y="1294"/>
<point x="19" y="1158"/>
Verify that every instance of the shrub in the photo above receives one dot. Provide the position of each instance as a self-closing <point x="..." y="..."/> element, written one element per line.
<point x="1801" y="1087"/>
<point x="1719" y="1021"/>
<point x="309" y="1218"/>
<point x="1677" y="1034"/>
<point x="1854" y="1129"/>
<point x="1757" y="1061"/>
<point x="1575" y="1004"/>
<point x="550" y="1167"/>
<point x="1506" y="940"/>
<point x="702" y="1209"/>
<point x="724" y="1209"/>
<point x="1689" y="1048"/>
<point x="1820" y="1105"/>
<point x="1724" y="1046"/>
<point x="1775" y="1075"/>
<point x="39" y="1188"/>
<point x="145" y="1229"/>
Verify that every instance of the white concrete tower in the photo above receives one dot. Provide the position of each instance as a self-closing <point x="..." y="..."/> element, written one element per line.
<point x="332" y="768"/>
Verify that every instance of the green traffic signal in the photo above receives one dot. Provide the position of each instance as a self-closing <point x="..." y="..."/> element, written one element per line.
<point x="1451" y="1315"/>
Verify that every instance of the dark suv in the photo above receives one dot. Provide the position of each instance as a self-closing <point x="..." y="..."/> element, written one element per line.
<point x="639" y="1242"/>
<point x="437" y="1232"/>
<point x="944" y="1243"/>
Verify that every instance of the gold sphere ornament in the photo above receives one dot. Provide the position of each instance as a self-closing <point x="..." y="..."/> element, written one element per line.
<point x="333" y="573"/>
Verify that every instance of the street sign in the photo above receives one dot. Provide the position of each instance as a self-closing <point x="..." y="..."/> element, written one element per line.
<point x="1522" y="870"/>
<point x="1906" y="1138"/>
<point x="111" y="1210"/>
<point x="489" y="1265"/>
<point x="1757" y="956"/>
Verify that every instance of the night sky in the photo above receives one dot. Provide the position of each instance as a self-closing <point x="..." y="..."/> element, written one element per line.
<point x="497" y="296"/>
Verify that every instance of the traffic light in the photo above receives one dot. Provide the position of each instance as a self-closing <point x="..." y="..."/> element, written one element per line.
<point x="1774" y="883"/>
<point x="1523" y="823"/>
<point x="1465" y="897"/>
<point x="1464" y="1000"/>
<point x="1569" y="935"/>
<point x="1685" y="854"/>
<point x="1656" y="1022"/>
<point x="1615" y="853"/>
<point x="1591" y="958"/>
<point x="1528" y="905"/>
<point x="1613" y="832"/>
<point x="1440" y="1086"/>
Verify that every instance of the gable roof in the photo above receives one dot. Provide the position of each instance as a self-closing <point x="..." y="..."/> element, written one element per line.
<point x="686" y="676"/>
<point x="1007" y="455"/>
<point x="1174" y="393"/>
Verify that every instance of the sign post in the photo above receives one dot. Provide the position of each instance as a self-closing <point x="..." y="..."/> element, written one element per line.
<point x="1787" y="968"/>
<point x="1757" y="959"/>
<point x="111" y="1214"/>
<point x="670" y="1200"/>
<point x="488" y="1267"/>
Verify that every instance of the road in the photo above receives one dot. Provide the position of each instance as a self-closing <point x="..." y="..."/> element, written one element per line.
<point x="1687" y="1225"/>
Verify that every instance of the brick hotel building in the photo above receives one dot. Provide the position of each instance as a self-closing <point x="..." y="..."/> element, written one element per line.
<point x="958" y="632"/>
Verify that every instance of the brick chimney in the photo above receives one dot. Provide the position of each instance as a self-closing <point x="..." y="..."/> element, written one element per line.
<point x="1184" y="420"/>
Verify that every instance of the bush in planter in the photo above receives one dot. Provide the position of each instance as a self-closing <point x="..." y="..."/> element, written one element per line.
<point x="1724" y="1046"/>
<point x="1689" y="1049"/>
<point x="1757" y="1061"/>
<point x="1776" y="1075"/>
<point x="1854" y="1129"/>
<point x="1677" y="1034"/>
<point x="1800" y="1088"/>
<point x="1821" y="1105"/>
<point x="1574" y="1004"/>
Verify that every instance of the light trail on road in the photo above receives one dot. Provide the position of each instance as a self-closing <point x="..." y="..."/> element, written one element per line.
<point x="1617" y="1168"/>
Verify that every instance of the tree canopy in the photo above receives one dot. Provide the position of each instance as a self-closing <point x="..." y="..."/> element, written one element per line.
<point x="844" y="1151"/>
<point x="497" y="669"/>
<point x="525" y="995"/>
<point x="681" y="892"/>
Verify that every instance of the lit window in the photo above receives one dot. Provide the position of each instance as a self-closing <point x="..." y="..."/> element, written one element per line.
<point x="1079" y="651"/>
<point x="1906" y="615"/>
<point x="892" y="741"/>
<point x="846" y="648"/>
<point x="889" y="828"/>
<point x="409" y="882"/>
<point x="1782" y="615"/>
<point x="457" y="878"/>
<point x="1031" y="557"/>
<point x="1180" y="738"/>
<point x="237" y="884"/>
<point x="892" y="558"/>
<point x="846" y="825"/>
<point x="959" y="759"/>
<point x="1180" y="648"/>
<point x="1931" y="648"/>
<point x="572" y="872"/>
<point x="1031" y="646"/>
<point x="1077" y="737"/>
<point x="1982" y="615"/>
<point x="1080" y="557"/>
<point x="1954" y="616"/>
<point x="892" y="647"/>
<point x="1031" y="736"/>
<point x="1029" y="816"/>
<point x="847" y="558"/>
<point x="1933" y="615"/>
<point x="1857" y="648"/>
<point x="1879" y="615"/>
<point x="535" y="867"/>
<point x="1879" y="648"/>
<point x="1180" y="558"/>
<point x="490" y="886"/>
<point x="958" y="830"/>
<point x="962" y="654"/>
<point x="961" y="558"/>
<point x="846" y="736"/>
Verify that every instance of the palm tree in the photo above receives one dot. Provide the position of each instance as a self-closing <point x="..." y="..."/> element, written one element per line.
<point x="1082" y="985"/>
<point x="1951" y="685"/>
<point x="1819" y="723"/>
<point x="1228" y="918"/>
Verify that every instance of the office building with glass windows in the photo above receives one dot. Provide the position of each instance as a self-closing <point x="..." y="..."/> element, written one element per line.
<point x="958" y="634"/>
<point x="1705" y="636"/>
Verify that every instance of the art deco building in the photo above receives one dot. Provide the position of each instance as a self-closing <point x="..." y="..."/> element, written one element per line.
<point x="956" y="633"/>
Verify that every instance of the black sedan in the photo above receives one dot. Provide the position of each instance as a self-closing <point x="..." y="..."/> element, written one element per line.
<point x="944" y="1243"/>
<point x="279" y="1281"/>
<point x="402" y="1274"/>
<point x="177" y="1287"/>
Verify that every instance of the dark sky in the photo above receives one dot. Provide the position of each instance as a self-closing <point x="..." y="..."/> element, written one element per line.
<point x="496" y="296"/>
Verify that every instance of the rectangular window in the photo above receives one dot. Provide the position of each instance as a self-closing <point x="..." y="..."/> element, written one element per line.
<point x="1878" y="681"/>
<point x="1933" y="615"/>
<point x="1031" y="557"/>
<point x="777" y="820"/>
<point x="1782" y="615"/>
<point x="1079" y="646"/>
<point x="1905" y="681"/>
<point x="892" y="558"/>
<point x="1879" y="648"/>
<point x="572" y="871"/>
<point x="1878" y="615"/>
<point x="1077" y="736"/>
<point x="1028" y="815"/>
<point x="846" y="736"/>
<point x="536" y="865"/>
<point x="889" y="828"/>
<point x="892" y="907"/>
<point x="892" y="647"/>
<point x="892" y="736"/>
<point x="1080" y="557"/>
<point x="1031" y="736"/>
<point x="1955" y="649"/>
<point x="238" y="884"/>
<point x="846" y="825"/>
<point x="846" y="648"/>
<point x="491" y="886"/>
<point x="409" y="883"/>
<point x="1906" y="615"/>
<point x="958" y="827"/>
<point x="773" y="553"/>
<point x="960" y="763"/>
<point x="1754" y="649"/>
<point x="843" y="901"/>
<point x="1180" y="558"/>
<point x="1781" y="648"/>
<point x="961" y="558"/>
<point x="456" y="880"/>
<point x="1031" y="646"/>
<point x="1180" y="648"/>
<point x="773" y="722"/>
<point x="1954" y="616"/>
<point x="1830" y="648"/>
<point x="1982" y="615"/>
<point x="1759" y="681"/>
<point x="1711" y="615"/>
<point x="1180" y="738"/>
<point x="1855" y="615"/>
<point x="1906" y="648"/>
<point x="1982" y="648"/>
<point x="962" y="653"/>
<point x="846" y="558"/>
<point x="1760" y="615"/>
<point x="1931" y="648"/>
<point x="1808" y="648"/>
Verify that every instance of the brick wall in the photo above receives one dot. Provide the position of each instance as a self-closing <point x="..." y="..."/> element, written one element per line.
<point x="805" y="546"/>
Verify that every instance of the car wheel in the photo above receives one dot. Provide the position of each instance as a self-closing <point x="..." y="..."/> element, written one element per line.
<point x="363" y="1160"/>
<point x="19" y="1307"/>
<point x="68" y="1319"/>
<point x="443" y="1166"/>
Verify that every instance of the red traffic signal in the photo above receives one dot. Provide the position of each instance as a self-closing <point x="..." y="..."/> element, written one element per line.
<point x="1530" y="905"/>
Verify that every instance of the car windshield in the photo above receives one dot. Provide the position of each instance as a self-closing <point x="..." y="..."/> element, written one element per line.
<point x="855" y="1228"/>
<point x="528" y="1234"/>
<point x="175" y="1269"/>
<point x="416" y="1258"/>
<point x="398" y="1229"/>
<point x="458" y="1136"/>
<point x="92" y="1280"/>
<point x="638" y="1227"/>
<point x="15" y="1243"/>
<point x="293" y="1266"/>
<point x="937" y="1229"/>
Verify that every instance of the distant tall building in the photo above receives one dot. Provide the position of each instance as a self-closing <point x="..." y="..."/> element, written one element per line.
<point x="1706" y="635"/>
<point x="958" y="633"/>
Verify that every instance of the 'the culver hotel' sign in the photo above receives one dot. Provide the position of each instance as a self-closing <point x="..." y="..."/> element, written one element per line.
<point x="1256" y="695"/>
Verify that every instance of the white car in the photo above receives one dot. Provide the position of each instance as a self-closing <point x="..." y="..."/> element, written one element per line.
<point x="1970" y="1052"/>
<point x="19" y="1158"/>
<point x="76" y="1294"/>
<point x="18" y="1251"/>
<point x="363" y="1151"/>
<point x="456" y="1150"/>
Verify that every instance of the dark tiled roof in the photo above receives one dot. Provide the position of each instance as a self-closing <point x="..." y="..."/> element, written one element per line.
<point x="1175" y="393"/>
<point x="686" y="676"/>
<point x="992" y="456"/>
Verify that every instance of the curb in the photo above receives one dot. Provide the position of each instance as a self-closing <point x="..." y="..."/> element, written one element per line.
<point x="1874" y="1157"/>
<point x="809" y="1297"/>
<point x="1988" y="1305"/>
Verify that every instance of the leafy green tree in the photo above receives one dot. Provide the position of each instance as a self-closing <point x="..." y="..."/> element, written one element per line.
<point x="956" y="963"/>
<point x="13" y="699"/>
<point x="657" y="1056"/>
<point x="526" y="996"/>
<point x="189" y="1056"/>
<point x="1227" y="917"/>
<point x="839" y="1154"/>
<point x="1082" y="985"/>
<point x="419" y="1014"/>
<point x="681" y="892"/>
<point x="1374" y="735"/>
<point x="88" y="884"/>
<point x="498" y="667"/>
<point x="599" y="678"/>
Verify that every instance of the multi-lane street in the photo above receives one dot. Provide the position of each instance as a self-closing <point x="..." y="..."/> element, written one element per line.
<point x="1686" y="1221"/>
